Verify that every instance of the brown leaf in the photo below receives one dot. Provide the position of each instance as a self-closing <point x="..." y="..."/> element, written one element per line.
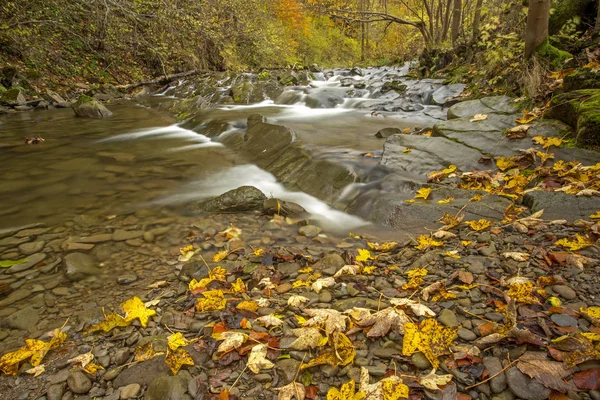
<point x="587" y="380"/>
<point x="548" y="373"/>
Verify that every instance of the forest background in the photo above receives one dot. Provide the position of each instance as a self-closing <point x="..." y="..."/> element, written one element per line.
<point x="508" y="44"/>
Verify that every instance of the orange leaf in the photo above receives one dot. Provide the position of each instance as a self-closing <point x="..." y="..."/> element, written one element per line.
<point x="224" y="395"/>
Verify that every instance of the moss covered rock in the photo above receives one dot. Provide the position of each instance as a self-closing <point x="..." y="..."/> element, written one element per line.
<point x="88" y="107"/>
<point x="12" y="97"/>
<point x="584" y="78"/>
<point x="581" y="110"/>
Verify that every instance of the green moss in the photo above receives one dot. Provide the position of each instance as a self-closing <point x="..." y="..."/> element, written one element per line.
<point x="264" y="75"/>
<point x="2" y="89"/>
<point x="581" y="110"/>
<point x="563" y="11"/>
<point x="556" y="56"/>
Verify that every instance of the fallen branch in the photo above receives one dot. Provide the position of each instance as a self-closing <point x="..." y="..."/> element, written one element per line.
<point x="160" y="80"/>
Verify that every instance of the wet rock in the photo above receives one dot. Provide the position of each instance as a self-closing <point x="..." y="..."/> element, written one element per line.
<point x="420" y="361"/>
<point x="309" y="231"/>
<point x="333" y="261"/>
<point x="79" y="266"/>
<point x="15" y="296"/>
<point x="54" y="97"/>
<point x="494" y="366"/>
<point x="448" y="318"/>
<point x="142" y="373"/>
<point x="99" y="238"/>
<point x="387" y="132"/>
<point x="486" y="105"/>
<point x="31" y="261"/>
<point x="284" y="208"/>
<point x="79" y="382"/>
<point x="445" y="93"/>
<point x="55" y="392"/>
<point x="31" y="247"/>
<point x="121" y="235"/>
<point x="466" y="334"/>
<point x="525" y="387"/>
<point x="564" y="320"/>
<point x="166" y="388"/>
<point x="12" y="97"/>
<point x="25" y="319"/>
<point x="244" y="198"/>
<point x="558" y="205"/>
<point x="565" y="292"/>
<point x="126" y="279"/>
<point x="88" y="107"/>
<point x="130" y="391"/>
<point x="324" y="98"/>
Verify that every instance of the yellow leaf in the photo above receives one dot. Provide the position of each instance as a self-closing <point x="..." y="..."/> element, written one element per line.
<point x="195" y="285"/>
<point x="432" y="380"/>
<point x="257" y="360"/>
<point x="363" y="255"/>
<point x="428" y="133"/>
<point x="477" y="197"/>
<point x="554" y="301"/>
<point x="425" y="242"/>
<point x="259" y="252"/>
<point x="596" y="215"/>
<point x="479" y="225"/>
<point x="592" y="312"/>
<point x="306" y="270"/>
<point x="177" y="358"/>
<point x="300" y="283"/>
<point x="238" y="286"/>
<point x="406" y="131"/>
<point x="410" y="201"/>
<point x="416" y="272"/>
<point x="110" y="322"/>
<point x="346" y="392"/>
<point x="579" y="243"/>
<point x="466" y="243"/>
<point x="436" y="176"/>
<point x="92" y="368"/>
<point x="407" y="150"/>
<point x="521" y="292"/>
<point x="446" y="200"/>
<point x="547" y="142"/>
<point x="450" y="221"/>
<point x="413" y="284"/>
<point x="594" y="337"/>
<point x="36" y="371"/>
<point x="341" y="354"/>
<point x="248" y="305"/>
<point x="478" y="117"/>
<point x="393" y="390"/>
<point x="34" y="349"/>
<point x="384" y="247"/>
<point x="220" y="256"/>
<point x="423" y="193"/>
<point x="177" y="340"/>
<point x="134" y="308"/>
<point x="452" y="254"/>
<point x="505" y="163"/>
<point x="369" y="270"/>
<point x="527" y="117"/>
<point x="213" y="301"/>
<point x="232" y="233"/>
<point x="218" y="273"/>
<point x="432" y="339"/>
<point x="146" y="352"/>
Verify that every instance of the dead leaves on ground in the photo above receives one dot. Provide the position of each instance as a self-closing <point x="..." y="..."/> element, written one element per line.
<point x="34" y="351"/>
<point x="133" y="309"/>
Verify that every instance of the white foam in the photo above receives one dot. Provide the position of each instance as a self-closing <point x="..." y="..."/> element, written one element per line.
<point x="251" y="175"/>
<point x="171" y="132"/>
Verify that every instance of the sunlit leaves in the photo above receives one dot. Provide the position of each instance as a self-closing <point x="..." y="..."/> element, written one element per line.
<point x="346" y="392"/>
<point x="423" y="193"/>
<point x="505" y="163"/>
<point x="426" y="242"/>
<point x="135" y="309"/>
<point x="213" y="300"/>
<point x="429" y="337"/>
<point x="580" y="242"/>
<point x="146" y="352"/>
<point x="432" y="381"/>
<point x="436" y="176"/>
<point x="110" y="322"/>
<point x="478" y="117"/>
<point x="220" y="256"/>
<point x="547" y="142"/>
<point x="521" y="292"/>
<point x="341" y="353"/>
<point x="385" y="247"/>
<point x="257" y="360"/>
<point x="175" y="359"/>
<point x="34" y="349"/>
<point x="363" y="255"/>
<point x="479" y="225"/>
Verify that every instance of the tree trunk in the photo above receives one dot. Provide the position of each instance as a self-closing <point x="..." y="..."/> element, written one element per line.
<point x="446" y="26"/>
<point x="456" y="14"/>
<point x="477" y="19"/>
<point x="597" y="26"/>
<point x="536" y="31"/>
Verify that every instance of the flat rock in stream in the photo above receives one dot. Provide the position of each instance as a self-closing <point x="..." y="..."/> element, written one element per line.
<point x="428" y="154"/>
<point x="559" y="205"/>
<point x="486" y="105"/>
<point x="244" y="198"/>
<point x="79" y="266"/>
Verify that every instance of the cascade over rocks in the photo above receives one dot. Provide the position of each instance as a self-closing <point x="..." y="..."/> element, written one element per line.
<point x="244" y="198"/>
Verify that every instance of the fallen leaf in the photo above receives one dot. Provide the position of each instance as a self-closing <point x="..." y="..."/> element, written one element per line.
<point x="297" y="301"/>
<point x="420" y="310"/>
<point x="478" y="117"/>
<point x="10" y="263"/>
<point x="319" y="284"/>
<point x="82" y="359"/>
<point x="579" y="243"/>
<point x="341" y="354"/>
<point x="213" y="301"/>
<point x="446" y="200"/>
<point x="548" y="373"/>
<point x="432" y="380"/>
<point x="175" y="359"/>
<point x="347" y="270"/>
<point x="176" y="340"/>
<point x="269" y="321"/>
<point x="289" y="391"/>
<point x="307" y="338"/>
<point x="257" y="359"/>
<point x="479" y="225"/>
<point x="429" y="337"/>
<point x="346" y="392"/>
<point x="146" y="352"/>
<point x="515" y="255"/>
<point x="220" y="256"/>
<point x="423" y="193"/>
<point x="547" y="142"/>
<point x="425" y="242"/>
<point x="231" y="340"/>
<point x="389" y="388"/>
<point x="363" y="255"/>
<point x="248" y="305"/>
<point x="333" y="320"/>
<point x="134" y="308"/>
<point x="36" y="371"/>
<point x="587" y="380"/>
<point x="440" y="234"/>
<point x="110" y="322"/>
<point x="385" y="247"/>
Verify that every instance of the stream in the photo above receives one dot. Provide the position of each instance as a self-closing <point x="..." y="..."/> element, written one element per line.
<point x="97" y="211"/>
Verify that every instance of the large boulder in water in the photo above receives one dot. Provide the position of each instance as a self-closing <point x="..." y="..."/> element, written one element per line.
<point x="12" y="97"/>
<point x="88" y="107"/>
<point x="244" y="198"/>
<point x="324" y="99"/>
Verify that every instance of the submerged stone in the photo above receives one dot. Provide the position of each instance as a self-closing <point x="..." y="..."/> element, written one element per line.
<point x="88" y="107"/>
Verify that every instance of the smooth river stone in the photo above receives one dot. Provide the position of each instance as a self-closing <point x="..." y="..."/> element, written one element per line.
<point x="31" y="261"/>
